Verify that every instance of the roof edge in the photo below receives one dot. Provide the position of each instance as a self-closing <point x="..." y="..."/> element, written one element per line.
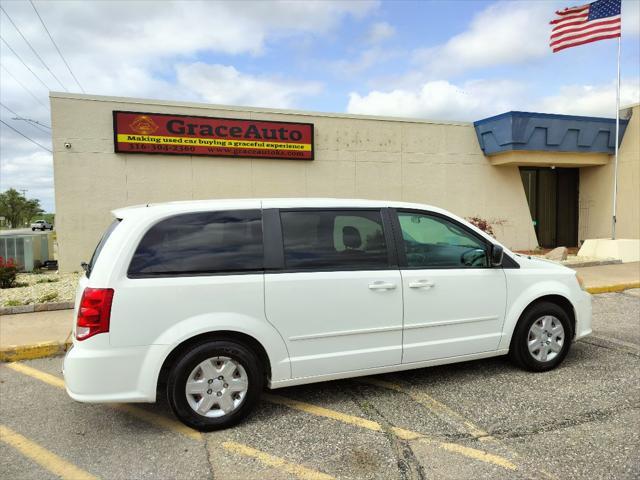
<point x="234" y="108"/>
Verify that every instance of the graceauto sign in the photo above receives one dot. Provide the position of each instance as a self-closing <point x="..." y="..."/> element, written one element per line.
<point x="136" y="132"/>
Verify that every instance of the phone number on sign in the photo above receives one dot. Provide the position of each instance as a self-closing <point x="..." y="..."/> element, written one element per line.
<point x="162" y="148"/>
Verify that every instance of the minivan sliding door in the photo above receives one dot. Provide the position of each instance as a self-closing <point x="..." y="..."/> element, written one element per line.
<point x="336" y="299"/>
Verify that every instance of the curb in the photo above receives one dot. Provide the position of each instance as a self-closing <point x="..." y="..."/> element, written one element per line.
<point x="613" y="288"/>
<point x="14" y="353"/>
<point x="37" y="307"/>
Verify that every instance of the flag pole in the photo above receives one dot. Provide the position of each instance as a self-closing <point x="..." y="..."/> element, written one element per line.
<point x="615" y="161"/>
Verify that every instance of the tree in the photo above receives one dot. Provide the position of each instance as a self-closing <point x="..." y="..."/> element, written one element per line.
<point x="17" y="209"/>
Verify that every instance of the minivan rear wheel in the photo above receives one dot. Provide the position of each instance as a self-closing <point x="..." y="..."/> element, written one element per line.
<point x="542" y="338"/>
<point x="215" y="385"/>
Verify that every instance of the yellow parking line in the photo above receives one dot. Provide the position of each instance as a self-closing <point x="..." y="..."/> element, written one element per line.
<point x="163" y="422"/>
<point x="149" y="417"/>
<point x="276" y="462"/>
<point x="399" y="432"/>
<point x="440" y="408"/>
<point x="37" y="374"/>
<point x="435" y="406"/>
<point x="159" y="421"/>
<point x="46" y="459"/>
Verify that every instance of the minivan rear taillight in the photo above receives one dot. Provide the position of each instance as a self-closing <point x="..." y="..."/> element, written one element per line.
<point x="94" y="312"/>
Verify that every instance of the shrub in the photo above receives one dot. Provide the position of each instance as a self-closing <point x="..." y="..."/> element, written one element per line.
<point x="12" y="303"/>
<point x="48" y="280"/>
<point x="485" y="225"/>
<point x="47" y="297"/>
<point x="8" y="273"/>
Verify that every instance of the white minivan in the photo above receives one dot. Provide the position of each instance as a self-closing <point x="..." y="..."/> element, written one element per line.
<point x="211" y="301"/>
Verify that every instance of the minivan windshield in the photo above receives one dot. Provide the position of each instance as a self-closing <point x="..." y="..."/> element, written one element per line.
<point x="101" y="243"/>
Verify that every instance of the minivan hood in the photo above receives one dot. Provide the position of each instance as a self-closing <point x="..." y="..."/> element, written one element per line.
<point x="527" y="261"/>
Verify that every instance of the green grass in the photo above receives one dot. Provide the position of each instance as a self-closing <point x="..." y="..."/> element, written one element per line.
<point x="48" y="280"/>
<point x="47" y="297"/>
<point x="12" y="303"/>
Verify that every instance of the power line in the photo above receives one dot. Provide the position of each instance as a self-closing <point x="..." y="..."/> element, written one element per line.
<point x="27" y="66"/>
<point x="25" y="88"/>
<point x="33" y="49"/>
<point x="55" y="45"/>
<point x="23" y="135"/>
<point x="35" y="123"/>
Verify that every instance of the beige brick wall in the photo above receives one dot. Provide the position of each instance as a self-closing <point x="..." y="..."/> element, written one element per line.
<point x="596" y="187"/>
<point x="356" y="157"/>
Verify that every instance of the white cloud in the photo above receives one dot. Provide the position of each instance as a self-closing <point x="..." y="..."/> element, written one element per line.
<point x="594" y="100"/>
<point x="630" y="17"/>
<point x="503" y="33"/>
<point x="474" y="100"/>
<point x="440" y="100"/>
<point x="225" y="84"/>
<point x="380" y="31"/>
<point x="132" y="49"/>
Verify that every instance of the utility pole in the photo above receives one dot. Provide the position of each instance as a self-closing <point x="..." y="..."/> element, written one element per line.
<point x="24" y="192"/>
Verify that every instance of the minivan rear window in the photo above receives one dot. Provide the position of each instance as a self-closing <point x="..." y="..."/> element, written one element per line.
<point x="201" y="243"/>
<point x="101" y="243"/>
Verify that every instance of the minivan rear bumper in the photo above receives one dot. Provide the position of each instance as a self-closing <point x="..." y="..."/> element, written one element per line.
<point x="98" y="375"/>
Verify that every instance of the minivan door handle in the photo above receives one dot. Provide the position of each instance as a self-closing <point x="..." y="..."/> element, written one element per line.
<point x="381" y="285"/>
<point x="421" y="284"/>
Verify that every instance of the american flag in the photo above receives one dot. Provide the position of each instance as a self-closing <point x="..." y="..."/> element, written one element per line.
<point x="589" y="23"/>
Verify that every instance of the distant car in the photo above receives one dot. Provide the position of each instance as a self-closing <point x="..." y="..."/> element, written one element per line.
<point x="212" y="300"/>
<point x="41" y="225"/>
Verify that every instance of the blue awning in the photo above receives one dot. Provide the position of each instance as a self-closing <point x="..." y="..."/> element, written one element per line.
<point x="527" y="131"/>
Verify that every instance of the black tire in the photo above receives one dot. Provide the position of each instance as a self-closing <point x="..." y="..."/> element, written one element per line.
<point x="33" y="229"/>
<point x="177" y="379"/>
<point x="519" y="350"/>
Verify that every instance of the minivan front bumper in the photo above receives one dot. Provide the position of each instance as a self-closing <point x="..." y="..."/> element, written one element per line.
<point x="95" y="372"/>
<point x="583" y="314"/>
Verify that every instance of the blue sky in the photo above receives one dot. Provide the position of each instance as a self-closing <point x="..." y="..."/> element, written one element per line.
<point x="443" y="60"/>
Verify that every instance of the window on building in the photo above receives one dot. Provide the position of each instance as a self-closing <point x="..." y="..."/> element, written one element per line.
<point x="334" y="240"/>
<point x="201" y="243"/>
<point x="433" y="242"/>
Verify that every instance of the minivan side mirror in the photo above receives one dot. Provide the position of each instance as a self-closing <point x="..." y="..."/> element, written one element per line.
<point x="497" y="253"/>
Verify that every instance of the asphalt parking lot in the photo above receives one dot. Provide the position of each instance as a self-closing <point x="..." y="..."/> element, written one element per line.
<point x="483" y="419"/>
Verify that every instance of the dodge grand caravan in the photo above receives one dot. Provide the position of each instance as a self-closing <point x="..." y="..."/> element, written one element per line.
<point x="209" y="302"/>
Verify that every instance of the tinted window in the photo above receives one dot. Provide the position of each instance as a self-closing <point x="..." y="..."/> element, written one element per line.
<point x="431" y="241"/>
<point x="198" y="243"/>
<point x="101" y="243"/>
<point x="334" y="239"/>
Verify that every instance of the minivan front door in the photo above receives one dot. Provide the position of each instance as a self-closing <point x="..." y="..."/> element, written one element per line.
<point x="338" y="301"/>
<point x="454" y="302"/>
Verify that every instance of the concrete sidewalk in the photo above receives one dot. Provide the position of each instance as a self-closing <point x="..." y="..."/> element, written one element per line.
<point x="610" y="278"/>
<point x="38" y="334"/>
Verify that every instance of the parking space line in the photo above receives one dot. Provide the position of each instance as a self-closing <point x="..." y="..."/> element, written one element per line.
<point x="46" y="459"/>
<point x="438" y="408"/>
<point x="447" y="414"/>
<point x="399" y="432"/>
<point x="149" y="417"/>
<point x="37" y="374"/>
<point x="276" y="462"/>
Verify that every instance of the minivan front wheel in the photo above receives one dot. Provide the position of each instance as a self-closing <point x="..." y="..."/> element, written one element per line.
<point x="542" y="338"/>
<point x="215" y="385"/>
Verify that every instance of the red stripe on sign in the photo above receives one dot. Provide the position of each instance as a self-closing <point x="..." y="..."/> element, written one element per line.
<point x="605" y="37"/>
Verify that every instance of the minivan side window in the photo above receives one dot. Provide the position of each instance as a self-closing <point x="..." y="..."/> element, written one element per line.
<point x="201" y="243"/>
<point x="435" y="242"/>
<point x="333" y="239"/>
